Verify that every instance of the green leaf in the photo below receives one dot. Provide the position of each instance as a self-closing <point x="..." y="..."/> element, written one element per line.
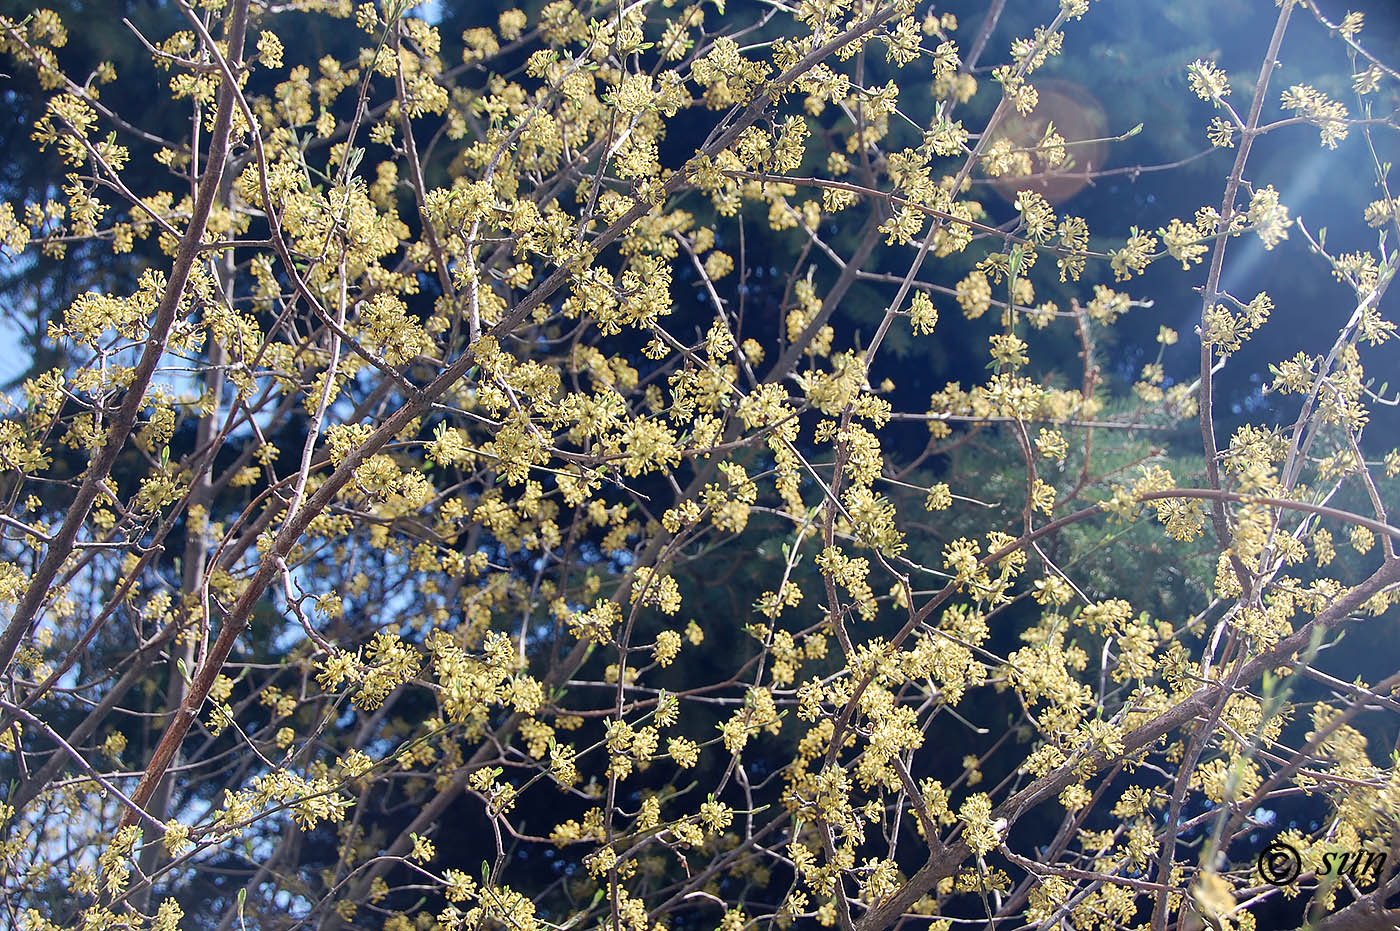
<point x="1018" y="253"/>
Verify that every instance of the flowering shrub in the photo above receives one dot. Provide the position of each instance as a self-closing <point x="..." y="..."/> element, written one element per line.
<point x="365" y="563"/>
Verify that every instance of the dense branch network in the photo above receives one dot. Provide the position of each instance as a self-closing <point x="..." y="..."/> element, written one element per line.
<point x="515" y="432"/>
